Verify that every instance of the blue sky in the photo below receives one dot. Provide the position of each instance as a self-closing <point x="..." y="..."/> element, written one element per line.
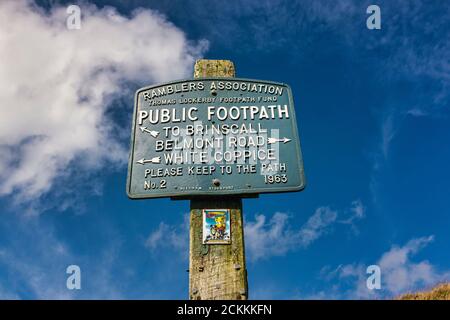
<point x="373" y="114"/>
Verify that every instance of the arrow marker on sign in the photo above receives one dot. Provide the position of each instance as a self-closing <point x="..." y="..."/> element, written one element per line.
<point x="154" y="134"/>
<point x="152" y="160"/>
<point x="275" y="140"/>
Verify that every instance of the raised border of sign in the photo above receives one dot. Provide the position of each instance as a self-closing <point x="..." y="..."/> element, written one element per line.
<point x="193" y="193"/>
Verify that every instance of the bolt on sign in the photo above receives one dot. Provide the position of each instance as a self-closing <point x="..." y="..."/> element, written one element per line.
<point x="214" y="136"/>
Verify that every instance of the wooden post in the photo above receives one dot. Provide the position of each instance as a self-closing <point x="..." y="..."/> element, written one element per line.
<point x="216" y="271"/>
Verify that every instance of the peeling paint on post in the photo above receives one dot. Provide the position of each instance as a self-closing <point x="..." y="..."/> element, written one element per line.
<point x="217" y="271"/>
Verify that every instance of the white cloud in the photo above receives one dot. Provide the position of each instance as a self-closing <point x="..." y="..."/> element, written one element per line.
<point x="40" y="269"/>
<point x="387" y="134"/>
<point x="399" y="273"/>
<point x="417" y="59"/>
<point x="174" y="237"/>
<point x="57" y="85"/>
<point x="316" y="225"/>
<point x="380" y="155"/>
<point x="275" y="237"/>
<point x="264" y="237"/>
<point x="357" y="211"/>
<point x="416" y="112"/>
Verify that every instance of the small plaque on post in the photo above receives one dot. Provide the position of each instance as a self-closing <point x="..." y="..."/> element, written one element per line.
<point x="216" y="226"/>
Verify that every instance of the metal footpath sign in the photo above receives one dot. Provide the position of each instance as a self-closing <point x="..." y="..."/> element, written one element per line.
<point x="214" y="136"/>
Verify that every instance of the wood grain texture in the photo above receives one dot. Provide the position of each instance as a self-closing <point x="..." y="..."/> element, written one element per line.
<point x="217" y="271"/>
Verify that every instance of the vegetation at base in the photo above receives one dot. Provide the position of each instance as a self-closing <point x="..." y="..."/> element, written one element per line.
<point x="440" y="292"/>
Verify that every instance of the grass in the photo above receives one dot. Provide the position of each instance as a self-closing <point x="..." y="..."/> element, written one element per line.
<point x="440" y="292"/>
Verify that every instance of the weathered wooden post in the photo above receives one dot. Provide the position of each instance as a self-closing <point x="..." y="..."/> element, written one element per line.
<point x="214" y="140"/>
<point x="216" y="271"/>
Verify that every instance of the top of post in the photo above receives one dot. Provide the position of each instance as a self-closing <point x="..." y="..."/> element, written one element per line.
<point x="214" y="68"/>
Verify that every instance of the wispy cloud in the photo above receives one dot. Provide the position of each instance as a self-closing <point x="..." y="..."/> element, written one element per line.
<point x="402" y="274"/>
<point x="265" y="238"/>
<point x="57" y="88"/>
<point x="387" y="135"/>
<point x="275" y="237"/>
<point x="399" y="274"/>
<point x="173" y="237"/>
<point x="416" y="112"/>
<point x="37" y="258"/>
<point x="411" y="66"/>
<point x="357" y="211"/>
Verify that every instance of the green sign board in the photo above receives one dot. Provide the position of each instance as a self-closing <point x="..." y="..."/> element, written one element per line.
<point x="214" y="136"/>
